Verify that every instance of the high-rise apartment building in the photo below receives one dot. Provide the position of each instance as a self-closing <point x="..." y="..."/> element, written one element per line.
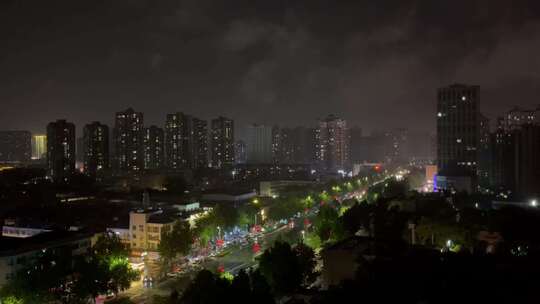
<point x="514" y="147"/>
<point x="458" y="124"/>
<point x="222" y="142"/>
<point x="15" y="146"/>
<point x="517" y="117"/>
<point x="95" y="149"/>
<point x="177" y="137"/>
<point x="39" y="147"/>
<point x="260" y="144"/>
<point x="395" y="146"/>
<point x="484" y="153"/>
<point x="333" y="144"/>
<point x="60" y="150"/>
<point x="154" y="148"/>
<point x="277" y="144"/>
<point x="199" y="143"/>
<point x="293" y="145"/>
<point x="356" y="145"/>
<point x="186" y="141"/>
<point x="240" y="154"/>
<point x="128" y="141"/>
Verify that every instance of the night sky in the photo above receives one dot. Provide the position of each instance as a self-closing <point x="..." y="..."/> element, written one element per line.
<point x="377" y="63"/>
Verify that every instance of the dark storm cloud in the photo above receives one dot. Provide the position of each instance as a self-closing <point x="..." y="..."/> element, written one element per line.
<point x="377" y="63"/>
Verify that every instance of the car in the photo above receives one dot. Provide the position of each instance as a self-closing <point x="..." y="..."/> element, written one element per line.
<point x="148" y="282"/>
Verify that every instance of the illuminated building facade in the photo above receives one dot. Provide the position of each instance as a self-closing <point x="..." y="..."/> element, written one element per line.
<point x="153" y="148"/>
<point x="177" y="135"/>
<point x="128" y="141"/>
<point x="332" y="144"/>
<point x="222" y="142"/>
<point x="186" y="141"/>
<point x="95" y="149"/>
<point x="39" y="146"/>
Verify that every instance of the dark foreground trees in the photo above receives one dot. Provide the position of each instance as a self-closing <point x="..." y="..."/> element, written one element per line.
<point x="57" y="276"/>
<point x="210" y="288"/>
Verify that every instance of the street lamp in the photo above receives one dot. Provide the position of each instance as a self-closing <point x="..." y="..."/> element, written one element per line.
<point x="534" y="203"/>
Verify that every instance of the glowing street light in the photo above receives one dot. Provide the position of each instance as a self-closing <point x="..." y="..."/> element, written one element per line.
<point x="534" y="203"/>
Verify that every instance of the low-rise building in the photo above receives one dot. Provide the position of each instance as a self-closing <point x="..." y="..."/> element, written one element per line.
<point x="146" y="228"/>
<point x="123" y="234"/>
<point x="21" y="232"/>
<point x="16" y="252"/>
<point x="229" y="196"/>
<point x="188" y="207"/>
<point x="275" y="188"/>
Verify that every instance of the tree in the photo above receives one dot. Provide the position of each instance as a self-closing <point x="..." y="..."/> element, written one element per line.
<point x="40" y="280"/>
<point x="307" y="262"/>
<point x="177" y="241"/>
<point x="225" y="216"/>
<point x="285" y="269"/>
<point x="260" y="289"/>
<point x="55" y="275"/>
<point x="210" y="288"/>
<point x="241" y="288"/>
<point x="440" y="232"/>
<point x="312" y="240"/>
<point x="326" y="223"/>
<point x="357" y="217"/>
<point x="113" y="255"/>
<point x="206" y="288"/>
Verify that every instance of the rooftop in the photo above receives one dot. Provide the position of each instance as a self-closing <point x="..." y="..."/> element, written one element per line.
<point x="11" y="246"/>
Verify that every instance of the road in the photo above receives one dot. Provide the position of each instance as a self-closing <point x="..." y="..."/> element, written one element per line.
<point x="238" y="257"/>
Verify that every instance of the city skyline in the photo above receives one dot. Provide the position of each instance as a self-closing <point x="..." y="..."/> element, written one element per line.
<point x="263" y="65"/>
<point x="273" y="151"/>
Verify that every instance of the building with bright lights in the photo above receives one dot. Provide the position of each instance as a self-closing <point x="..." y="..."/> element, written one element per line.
<point x="60" y="150"/>
<point x="95" y="149"/>
<point x="186" y="142"/>
<point x="147" y="227"/>
<point x="332" y="144"/>
<point x="458" y="131"/>
<point x="39" y="147"/>
<point x="15" y="146"/>
<point x="177" y="137"/>
<point x="222" y="142"/>
<point x="154" y="148"/>
<point x="128" y="141"/>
